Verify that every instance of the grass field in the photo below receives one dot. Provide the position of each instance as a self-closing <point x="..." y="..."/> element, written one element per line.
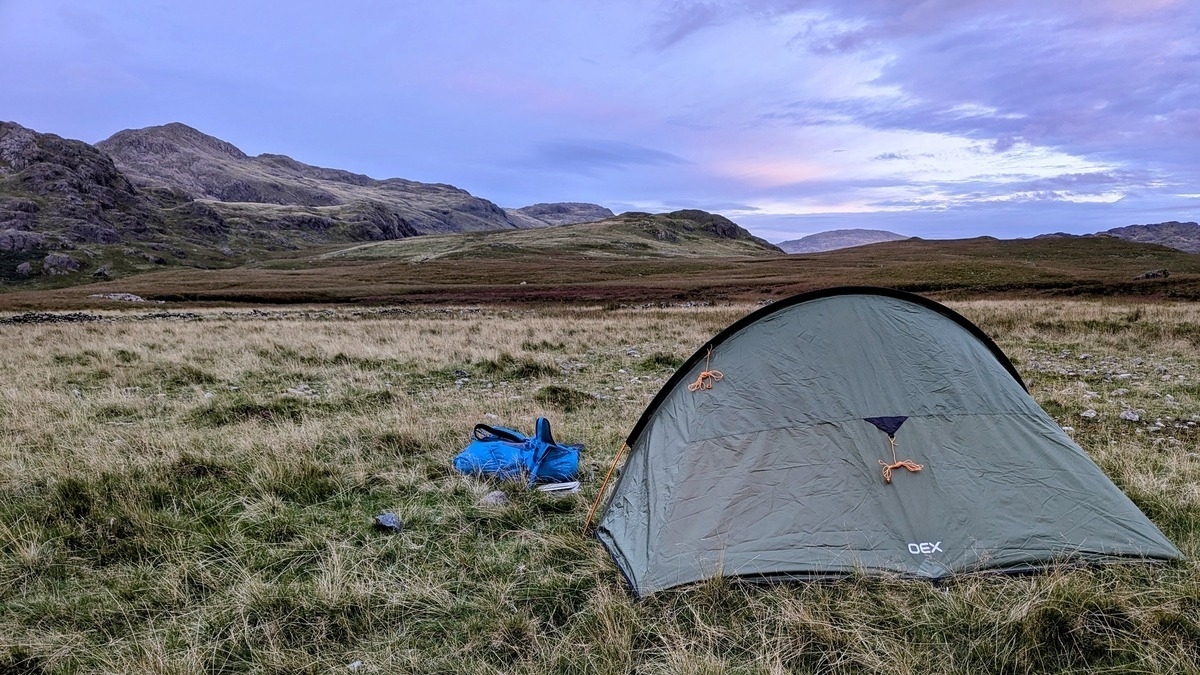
<point x="194" y="495"/>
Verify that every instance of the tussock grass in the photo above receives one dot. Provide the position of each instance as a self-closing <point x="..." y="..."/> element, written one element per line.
<point x="196" y="497"/>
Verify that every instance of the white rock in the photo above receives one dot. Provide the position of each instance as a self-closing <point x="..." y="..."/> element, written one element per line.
<point x="1089" y="414"/>
<point x="1130" y="415"/>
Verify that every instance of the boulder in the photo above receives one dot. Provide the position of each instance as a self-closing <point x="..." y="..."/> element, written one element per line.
<point x="57" y="264"/>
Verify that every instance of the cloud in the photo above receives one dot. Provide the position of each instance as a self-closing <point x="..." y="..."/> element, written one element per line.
<point x="684" y="19"/>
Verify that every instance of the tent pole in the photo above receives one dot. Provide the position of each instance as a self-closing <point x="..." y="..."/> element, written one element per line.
<point x="600" y="495"/>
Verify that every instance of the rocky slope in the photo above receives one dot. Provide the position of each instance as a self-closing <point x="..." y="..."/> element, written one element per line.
<point x="65" y="208"/>
<point x="835" y="239"/>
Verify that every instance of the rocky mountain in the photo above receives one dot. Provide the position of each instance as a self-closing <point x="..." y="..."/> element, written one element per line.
<point x="178" y="156"/>
<point x="835" y="239"/>
<point x="173" y="195"/>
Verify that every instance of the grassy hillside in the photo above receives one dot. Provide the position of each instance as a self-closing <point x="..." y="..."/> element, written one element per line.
<point x="556" y="264"/>
<point x="194" y="495"/>
<point x="680" y="234"/>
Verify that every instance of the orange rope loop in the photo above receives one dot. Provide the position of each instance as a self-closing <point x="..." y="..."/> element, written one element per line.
<point x="707" y="377"/>
<point x="897" y="463"/>
<point x="600" y="494"/>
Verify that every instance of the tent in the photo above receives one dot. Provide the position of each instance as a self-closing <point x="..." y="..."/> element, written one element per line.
<point x="857" y="430"/>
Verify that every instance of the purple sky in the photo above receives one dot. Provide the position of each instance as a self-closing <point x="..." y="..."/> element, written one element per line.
<point x="947" y="118"/>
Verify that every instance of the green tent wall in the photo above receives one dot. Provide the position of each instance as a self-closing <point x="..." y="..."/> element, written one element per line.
<point x="777" y="470"/>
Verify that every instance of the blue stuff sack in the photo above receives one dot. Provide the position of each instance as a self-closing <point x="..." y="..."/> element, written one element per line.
<point x="505" y="454"/>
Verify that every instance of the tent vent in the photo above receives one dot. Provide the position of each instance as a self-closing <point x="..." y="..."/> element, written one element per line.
<point x="889" y="426"/>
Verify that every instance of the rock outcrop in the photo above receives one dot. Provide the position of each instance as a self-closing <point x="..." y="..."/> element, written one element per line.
<point x="1153" y="274"/>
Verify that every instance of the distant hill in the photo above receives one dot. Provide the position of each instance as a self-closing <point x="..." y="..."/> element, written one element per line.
<point x="171" y="195"/>
<point x="1173" y="234"/>
<point x="560" y="213"/>
<point x="1183" y="236"/>
<point x="836" y="239"/>
<point x="686" y="234"/>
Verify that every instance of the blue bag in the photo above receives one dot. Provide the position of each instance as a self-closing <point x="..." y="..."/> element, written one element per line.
<point x="505" y="453"/>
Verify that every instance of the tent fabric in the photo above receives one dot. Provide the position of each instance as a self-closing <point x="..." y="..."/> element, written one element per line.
<point x="775" y="471"/>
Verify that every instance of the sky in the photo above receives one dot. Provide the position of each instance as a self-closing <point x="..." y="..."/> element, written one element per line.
<point x="938" y="118"/>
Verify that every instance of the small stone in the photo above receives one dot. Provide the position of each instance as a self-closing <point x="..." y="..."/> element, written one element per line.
<point x="389" y="521"/>
<point x="494" y="498"/>
<point x="1089" y="414"/>
<point x="1120" y="392"/>
<point x="1130" y="415"/>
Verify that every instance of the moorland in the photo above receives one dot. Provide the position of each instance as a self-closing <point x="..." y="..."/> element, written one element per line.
<point x="193" y="492"/>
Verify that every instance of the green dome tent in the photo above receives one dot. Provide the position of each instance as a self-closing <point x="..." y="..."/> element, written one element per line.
<point x="857" y="429"/>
